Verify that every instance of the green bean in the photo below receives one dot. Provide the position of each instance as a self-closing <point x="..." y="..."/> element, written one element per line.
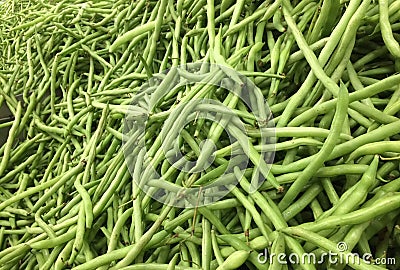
<point x="172" y="263"/>
<point x="240" y="246"/>
<point x="357" y="216"/>
<point x="300" y="7"/>
<point x="236" y="13"/>
<point x="343" y="149"/>
<point x="316" y="208"/>
<point x="87" y="204"/>
<point x="359" y="95"/>
<point x="56" y="241"/>
<point x="359" y="118"/>
<point x="374" y="148"/>
<point x="80" y="233"/>
<point x="11" y="174"/>
<point x="276" y="20"/>
<point x="213" y="220"/>
<point x="62" y="257"/>
<point x="95" y="56"/>
<point x="323" y="58"/>
<point x="16" y="251"/>
<point x="295" y="132"/>
<point x="352" y="237"/>
<point x="117" y="229"/>
<point x="53" y="256"/>
<point x="41" y="187"/>
<point x="134" y="252"/>
<point x="31" y="23"/>
<point x="277" y="220"/>
<point x="46" y="228"/>
<point x="206" y="244"/>
<point x="30" y="64"/>
<point x="216" y="249"/>
<point x="194" y="253"/>
<point x="355" y="195"/>
<point x="132" y="34"/>
<point x="255" y="157"/>
<point x="10" y="140"/>
<point x="271" y="10"/>
<point x="309" y="55"/>
<point x="299" y="54"/>
<point x="235" y="260"/>
<point x="320" y="158"/>
<point x="375" y="135"/>
<point x="256" y="216"/>
<point x="387" y="35"/>
<point x="157" y="29"/>
<point x="302" y="202"/>
<point x="278" y="247"/>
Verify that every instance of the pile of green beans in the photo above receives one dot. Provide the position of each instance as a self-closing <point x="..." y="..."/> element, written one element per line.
<point x="328" y="70"/>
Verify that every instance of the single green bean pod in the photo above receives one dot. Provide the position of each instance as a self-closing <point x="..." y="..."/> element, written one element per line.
<point x="235" y="260"/>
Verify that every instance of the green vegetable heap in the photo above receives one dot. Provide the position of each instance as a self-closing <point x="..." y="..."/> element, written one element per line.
<point x="325" y="152"/>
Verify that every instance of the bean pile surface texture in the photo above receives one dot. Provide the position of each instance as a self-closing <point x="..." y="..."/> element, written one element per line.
<point x="298" y="143"/>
